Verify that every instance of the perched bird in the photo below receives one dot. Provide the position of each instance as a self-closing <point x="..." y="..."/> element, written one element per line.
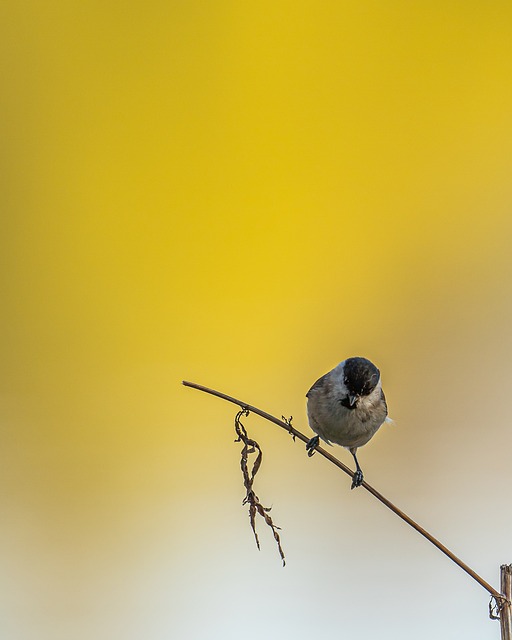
<point x="347" y="406"/>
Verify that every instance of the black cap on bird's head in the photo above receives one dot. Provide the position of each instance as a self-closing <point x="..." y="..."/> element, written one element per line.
<point x="360" y="377"/>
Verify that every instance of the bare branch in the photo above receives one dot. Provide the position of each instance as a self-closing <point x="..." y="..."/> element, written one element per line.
<point x="286" y="424"/>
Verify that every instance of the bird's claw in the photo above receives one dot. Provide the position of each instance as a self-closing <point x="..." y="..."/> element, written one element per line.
<point x="312" y="445"/>
<point x="357" y="479"/>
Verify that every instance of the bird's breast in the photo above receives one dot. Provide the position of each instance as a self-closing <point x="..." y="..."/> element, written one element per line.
<point x="338" y="424"/>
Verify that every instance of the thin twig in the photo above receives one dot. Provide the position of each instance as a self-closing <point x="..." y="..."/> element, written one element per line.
<point x="286" y="424"/>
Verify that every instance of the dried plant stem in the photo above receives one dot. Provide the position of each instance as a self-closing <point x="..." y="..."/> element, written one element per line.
<point x="498" y="597"/>
<point x="250" y="446"/>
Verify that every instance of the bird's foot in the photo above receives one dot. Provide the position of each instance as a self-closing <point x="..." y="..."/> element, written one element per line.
<point x="357" y="479"/>
<point x="312" y="445"/>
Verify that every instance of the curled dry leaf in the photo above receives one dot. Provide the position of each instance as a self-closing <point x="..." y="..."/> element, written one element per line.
<point x="249" y="471"/>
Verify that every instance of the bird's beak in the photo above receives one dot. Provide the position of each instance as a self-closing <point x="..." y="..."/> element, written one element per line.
<point x="352" y="400"/>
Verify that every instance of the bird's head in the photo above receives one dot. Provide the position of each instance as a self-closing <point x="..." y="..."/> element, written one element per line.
<point x="360" y="377"/>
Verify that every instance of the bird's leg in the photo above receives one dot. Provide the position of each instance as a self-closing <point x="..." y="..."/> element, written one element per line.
<point x="312" y="445"/>
<point x="357" y="478"/>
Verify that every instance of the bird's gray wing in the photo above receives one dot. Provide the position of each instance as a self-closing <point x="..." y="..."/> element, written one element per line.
<point x="383" y="398"/>
<point x="321" y="383"/>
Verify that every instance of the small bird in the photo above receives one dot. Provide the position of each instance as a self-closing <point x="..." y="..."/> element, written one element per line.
<point x="347" y="406"/>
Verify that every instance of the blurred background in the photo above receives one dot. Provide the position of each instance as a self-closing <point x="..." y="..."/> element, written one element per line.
<point x="243" y="195"/>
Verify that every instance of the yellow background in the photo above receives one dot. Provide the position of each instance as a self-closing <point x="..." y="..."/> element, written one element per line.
<point x="242" y="195"/>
